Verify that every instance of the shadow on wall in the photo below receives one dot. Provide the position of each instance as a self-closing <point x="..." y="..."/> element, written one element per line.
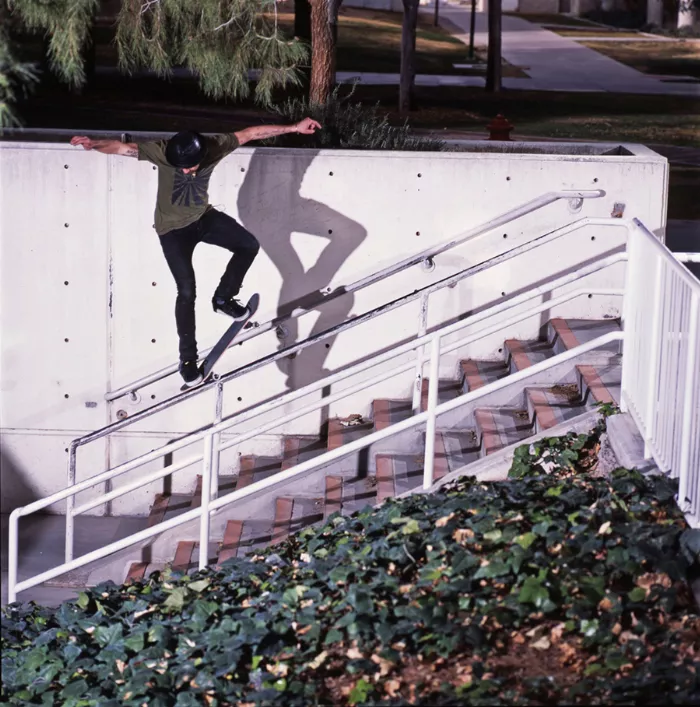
<point x="15" y="489"/>
<point x="271" y="208"/>
<point x="14" y="492"/>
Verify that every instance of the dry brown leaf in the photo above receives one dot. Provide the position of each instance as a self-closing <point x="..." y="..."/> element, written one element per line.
<point x="627" y="636"/>
<point x="462" y="534"/>
<point x="519" y="639"/>
<point x="120" y="665"/>
<point x="616" y="630"/>
<point x="353" y="654"/>
<point x="405" y="588"/>
<point x="605" y="604"/>
<point x="392" y="687"/>
<point x="648" y="580"/>
<point x="442" y="522"/>
<point x="556" y="633"/>
<point x="542" y="644"/>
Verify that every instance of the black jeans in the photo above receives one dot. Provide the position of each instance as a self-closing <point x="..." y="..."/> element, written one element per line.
<point x="215" y="228"/>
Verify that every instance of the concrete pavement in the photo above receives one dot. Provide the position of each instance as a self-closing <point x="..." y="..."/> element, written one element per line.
<point x="553" y="62"/>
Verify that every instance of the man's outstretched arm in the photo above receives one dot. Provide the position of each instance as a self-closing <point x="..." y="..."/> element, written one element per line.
<point x="108" y="147"/>
<point x="262" y="132"/>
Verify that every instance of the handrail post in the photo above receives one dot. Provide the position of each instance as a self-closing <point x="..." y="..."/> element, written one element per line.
<point x="13" y="556"/>
<point x="418" y="379"/>
<point x="628" y="306"/>
<point x="691" y="370"/>
<point x="70" y="503"/>
<point x="655" y="348"/>
<point x="204" y="507"/>
<point x="430" y="425"/>
<point x="216" y="454"/>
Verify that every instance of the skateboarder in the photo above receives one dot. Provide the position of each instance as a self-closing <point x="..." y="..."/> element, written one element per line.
<point x="183" y="218"/>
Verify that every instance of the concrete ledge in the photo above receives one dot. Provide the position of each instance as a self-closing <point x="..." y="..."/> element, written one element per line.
<point x="628" y="445"/>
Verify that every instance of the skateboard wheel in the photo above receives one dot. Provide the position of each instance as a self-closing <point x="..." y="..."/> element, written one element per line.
<point x="215" y="376"/>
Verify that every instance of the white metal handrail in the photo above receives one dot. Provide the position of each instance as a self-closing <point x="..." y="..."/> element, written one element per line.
<point x="661" y="371"/>
<point x="426" y="255"/>
<point x="423" y="294"/>
<point x="208" y="505"/>
<point x="213" y="450"/>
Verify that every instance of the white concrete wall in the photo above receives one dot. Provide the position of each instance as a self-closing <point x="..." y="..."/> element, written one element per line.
<point x="323" y="219"/>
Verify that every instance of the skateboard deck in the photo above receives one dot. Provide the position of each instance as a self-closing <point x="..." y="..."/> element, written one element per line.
<point x="207" y="367"/>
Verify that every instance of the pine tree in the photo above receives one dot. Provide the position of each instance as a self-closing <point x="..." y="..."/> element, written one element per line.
<point x="220" y="41"/>
<point x="16" y="77"/>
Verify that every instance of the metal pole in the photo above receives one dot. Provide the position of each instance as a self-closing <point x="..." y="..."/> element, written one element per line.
<point x="655" y="344"/>
<point x="13" y="551"/>
<point x="435" y="20"/>
<point x="70" y="503"/>
<point x="215" y="443"/>
<point x="206" y="495"/>
<point x="422" y="327"/>
<point x="429" y="461"/>
<point x="472" y="20"/>
<point x="688" y="404"/>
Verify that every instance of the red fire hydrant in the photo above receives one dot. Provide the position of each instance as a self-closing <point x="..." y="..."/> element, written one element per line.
<point x="499" y="128"/>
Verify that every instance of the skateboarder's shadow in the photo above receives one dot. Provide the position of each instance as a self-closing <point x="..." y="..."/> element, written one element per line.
<point x="271" y="208"/>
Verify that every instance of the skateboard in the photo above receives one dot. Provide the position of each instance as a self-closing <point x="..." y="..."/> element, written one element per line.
<point x="207" y="367"/>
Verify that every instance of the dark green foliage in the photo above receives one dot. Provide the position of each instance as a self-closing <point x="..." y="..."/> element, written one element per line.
<point x="348" y="125"/>
<point x="16" y="79"/>
<point x="556" y="588"/>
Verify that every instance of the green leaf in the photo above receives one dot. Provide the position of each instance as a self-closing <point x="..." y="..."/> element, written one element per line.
<point x="533" y="592"/>
<point x="554" y="491"/>
<point x="495" y="568"/>
<point x="360" y="692"/>
<point x="493" y="535"/>
<point x="637" y="594"/>
<point x="83" y="600"/>
<point x="105" y="635"/>
<point x="525" y="540"/>
<point x="200" y="585"/>
<point x="74" y="689"/>
<point x="589" y="627"/>
<point x="135" y="642"/>
<point x="176" y="599"/>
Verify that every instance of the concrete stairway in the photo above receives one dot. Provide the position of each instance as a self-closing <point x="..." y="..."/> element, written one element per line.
<point x="395" y="465"/>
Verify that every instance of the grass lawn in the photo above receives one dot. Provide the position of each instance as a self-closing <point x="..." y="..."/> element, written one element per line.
<point x="672" y="120"/>
<point x="592" y="32"/>
<point x="370" y="40"/>
<point x="672" y="58"/>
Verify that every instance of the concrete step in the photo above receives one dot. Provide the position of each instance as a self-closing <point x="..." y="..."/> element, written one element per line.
<point x="355" y="493"/>
<point x="549" y="407"/>
<point x="566" y="334"/>
<point x="500" y="427"/>
<point x="297" y="450"/>
<point x="453" y="450"/>
<point x="476" y="373"/>
<point x="397" y="473"/>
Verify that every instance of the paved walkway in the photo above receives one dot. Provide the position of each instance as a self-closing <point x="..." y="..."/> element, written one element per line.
<point x="553" y="62"/>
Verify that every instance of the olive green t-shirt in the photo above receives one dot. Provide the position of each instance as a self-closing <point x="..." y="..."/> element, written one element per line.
<point x="183" y="198"/>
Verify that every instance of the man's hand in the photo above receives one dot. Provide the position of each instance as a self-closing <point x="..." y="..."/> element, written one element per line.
<point x="85" y="142"/>
<point x="107" y="147"/>
<point x="307" y="126"/>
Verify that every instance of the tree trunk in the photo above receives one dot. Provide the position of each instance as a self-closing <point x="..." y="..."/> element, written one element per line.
<point x="302" y="20"/>
<point x="686" y="14"/>
<point x="408" y="56"/>
<point x="322" y="52"/>
<point x="493" y="64"/>
<point x="655" y="12"/>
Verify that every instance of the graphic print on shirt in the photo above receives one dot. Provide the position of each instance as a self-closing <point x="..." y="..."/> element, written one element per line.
<point x="190" y="189"/>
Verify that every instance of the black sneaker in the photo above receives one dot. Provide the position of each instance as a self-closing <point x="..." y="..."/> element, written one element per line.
<point x="190" y="372"/>
<point x="230" y="307"/>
